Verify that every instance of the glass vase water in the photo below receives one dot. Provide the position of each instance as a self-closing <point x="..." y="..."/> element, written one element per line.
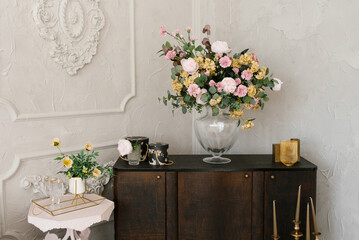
<point x="216" y="134"/>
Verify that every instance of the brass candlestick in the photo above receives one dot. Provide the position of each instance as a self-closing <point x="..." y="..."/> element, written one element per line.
<point x="275" y="237"/>
<point x="296" y="233"/>
<point x="316" y="236"/>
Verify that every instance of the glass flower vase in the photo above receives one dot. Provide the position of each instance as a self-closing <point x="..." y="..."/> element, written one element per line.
<point x="216" y="134"/>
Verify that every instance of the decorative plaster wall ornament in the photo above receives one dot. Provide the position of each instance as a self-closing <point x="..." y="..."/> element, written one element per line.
<point x="73" y="29"/>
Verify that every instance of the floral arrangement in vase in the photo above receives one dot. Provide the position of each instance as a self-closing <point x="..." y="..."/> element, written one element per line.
<point x="81" y="166"/>
<point x="208" y="75"/>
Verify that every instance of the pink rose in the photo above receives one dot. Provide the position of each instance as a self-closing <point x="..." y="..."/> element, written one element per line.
<point x="188" y="29"/>
<point x="219" y="54"/>
<point x="198" y="98"/>
<point x="193" y="38"/>
<point x="220" y="47"/>
<point x="193" y="90"/>
<point x="254" y="57"/>
<point x="220" y="87"/>
<point x="246" y="75"/>
<point x="241" y="91"/>
<point x="206" y="73"/>
<point x="189" y="65"/>
<point x="212" y="83"/>
<point x="235" y="70"/>
<point x="225" y="62"/>
<point x="170" y="55"/>
<point x="175" y="32"/>
<point x="229" y="85"/>
<point x="181" y="55"/>
<point x="124" y="147"/>
<point x="163" y="31"/>
<point x="238" y="81"/>
<point x="277" y="86"/>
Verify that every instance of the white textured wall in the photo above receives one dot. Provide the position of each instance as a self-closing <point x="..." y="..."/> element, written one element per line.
<point x="310" y="45"/>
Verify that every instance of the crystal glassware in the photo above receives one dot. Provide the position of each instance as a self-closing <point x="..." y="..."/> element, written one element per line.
<point x="49" y="187"/>
<point x="216" y="134"/>
<point x="134" y="157"/>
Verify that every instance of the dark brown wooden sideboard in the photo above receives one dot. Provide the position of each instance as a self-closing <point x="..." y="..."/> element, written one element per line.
<point x="192" y="200"/>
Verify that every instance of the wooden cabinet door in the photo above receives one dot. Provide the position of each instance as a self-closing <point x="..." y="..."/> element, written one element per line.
<point x="214" y="205"/>
<point x="140" y="205"/>
<point x="282" y="186"/>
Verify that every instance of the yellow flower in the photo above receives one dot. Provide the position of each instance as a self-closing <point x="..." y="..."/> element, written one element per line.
<point x="199" y="61"/>
<point x="256" y="107"/>
<point x="245" y="59"/>
<point x="177" y="86"/>
<point x="88" y="146"/>
<point x="216" y="58"/>
<point x="254" y="67"/>
<point x="184" y="74"/>
<point x="214" y="102"/>
<point x="209" y="65"/>
<point x="251" y="91"/>
<point x="247" y="125"/>
<point x="235" y="63"/>
<point x="190" y="80"/>
<point x="96" y="173"/>
<point x="236" y="113"/>
<point x="247" y="106"/>
<point x="56" y="142"/>
<point x="262" y="73"/>
<point x="67" y="162"/>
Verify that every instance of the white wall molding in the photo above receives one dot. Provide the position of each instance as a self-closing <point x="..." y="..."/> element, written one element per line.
<point x="17" y="116"/>
<point x="27" y="157"/>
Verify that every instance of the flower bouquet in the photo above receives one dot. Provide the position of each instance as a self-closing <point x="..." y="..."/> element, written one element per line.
<point x="208" y="75"/>
<point x="81" y="166"/>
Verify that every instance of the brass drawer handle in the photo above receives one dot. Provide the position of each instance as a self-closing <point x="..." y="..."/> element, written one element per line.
<point x="272" y="177"/>
<point x="246" y="175"/>
<point x="158" y="177"/>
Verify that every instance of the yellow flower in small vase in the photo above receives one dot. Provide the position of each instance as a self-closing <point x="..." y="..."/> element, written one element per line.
<point x="56" y="142"/>
<point x="88" y="146"/>
<point x="67" y="162"/>
<point x="96" y="173"/>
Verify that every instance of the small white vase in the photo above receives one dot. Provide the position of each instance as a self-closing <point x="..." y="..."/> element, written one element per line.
<point x="77" y="185"/>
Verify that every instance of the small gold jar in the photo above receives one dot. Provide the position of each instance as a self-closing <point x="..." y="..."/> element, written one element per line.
<point x="288" y="152"/>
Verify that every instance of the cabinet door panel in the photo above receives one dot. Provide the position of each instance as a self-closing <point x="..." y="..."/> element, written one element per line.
<point x="214" y="205"/>
<point x="282" y="186"/>
<point x="140" y="205"/>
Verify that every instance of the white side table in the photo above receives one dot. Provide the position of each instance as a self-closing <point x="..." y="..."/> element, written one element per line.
<point x="79" y="220"/>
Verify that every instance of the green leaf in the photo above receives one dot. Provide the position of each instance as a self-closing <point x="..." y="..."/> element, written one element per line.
<point x="168" y="44"/>
<point x="187" y="98"/>
<point x="252" y="101"/>
<point x="215" y="96"/>
<point x="246" y="99"/>
<point x="164" y="101"/>
<point x="235" y="55"/>
<point x="244" y="51"/>
<point x="184" y="110"/>
<point x="270" y="84"/>
<point x="266" y="99"/>
<point x="239" y="122"/>
<point x="178" y="68"/>
<point x="173" y="76"/>
<point x="199" y="48"/>
<point x="267" y="71"/>
<point x="262" y="106"/>
<point x="261" y="94"/>
<point x="205" y="97"/>
<point x="212" y="90"/>
<point x="215" y="111"/>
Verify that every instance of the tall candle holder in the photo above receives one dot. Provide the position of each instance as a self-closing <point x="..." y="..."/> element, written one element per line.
<point x="297" y="234"/>
<point x="275" y="237"/>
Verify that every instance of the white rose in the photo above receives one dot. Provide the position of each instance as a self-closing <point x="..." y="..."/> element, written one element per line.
<point x="220" y="47"/>
<point x="229" y="85"/>
<point x="277" y="86"/>
<point x="124" y="147"/>
<point x="189" y="65"/>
